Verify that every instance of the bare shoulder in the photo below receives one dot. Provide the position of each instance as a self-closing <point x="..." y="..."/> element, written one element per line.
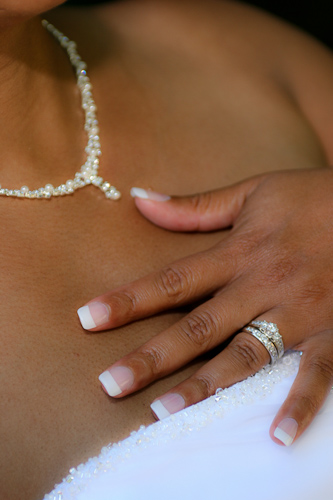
<point x="233" y="35"/>
<point x="207" y="29"/>
<point x="232" y="39"/>
<point x="213" y="22"/>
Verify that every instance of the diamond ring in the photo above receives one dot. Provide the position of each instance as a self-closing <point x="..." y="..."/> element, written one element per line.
<point x="268" y="334"/>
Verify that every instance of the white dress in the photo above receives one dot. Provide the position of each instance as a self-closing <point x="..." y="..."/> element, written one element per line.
<point x="219" y="448"/>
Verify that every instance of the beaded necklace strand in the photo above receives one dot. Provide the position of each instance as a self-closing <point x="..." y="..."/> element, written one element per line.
<point x="89" y="171"/>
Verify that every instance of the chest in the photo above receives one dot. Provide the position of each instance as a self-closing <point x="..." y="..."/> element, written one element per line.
<point x="57" y="255"/>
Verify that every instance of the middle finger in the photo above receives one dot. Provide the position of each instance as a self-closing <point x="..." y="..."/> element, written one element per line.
<point x="204" y="328"/>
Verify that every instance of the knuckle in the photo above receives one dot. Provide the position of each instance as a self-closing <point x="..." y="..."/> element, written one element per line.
<point x="309" y="403"/>
<point x="200" y="328"/>
<point x="323" y="367"/>
<point x="275" y="261"/>
<point x="312" y="293"/>
<point x="203" y="386"/>
<point x="281" y="270"/>
<point x="124" y="303"/>
<point x="202" y="202"/>
<point x="279" y="263"/>
<point x="154" y="361"/>
<point x="246" y="349"/>
<point x="173" y="282"/>
<point x="130" y="300"/>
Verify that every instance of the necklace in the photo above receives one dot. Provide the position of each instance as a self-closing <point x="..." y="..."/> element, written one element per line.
<point x="89" y="171"/>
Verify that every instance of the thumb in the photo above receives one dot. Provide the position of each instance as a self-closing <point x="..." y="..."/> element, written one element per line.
<point x="200" y="212"/>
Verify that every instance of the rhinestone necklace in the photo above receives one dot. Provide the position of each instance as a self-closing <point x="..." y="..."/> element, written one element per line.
<point x="89" y="171"/>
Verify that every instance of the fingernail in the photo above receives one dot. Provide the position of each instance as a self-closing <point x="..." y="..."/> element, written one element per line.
<point x="286" y="431"/>
<point x="93" y="315"/>
<point x="148" y="195"/>
<point x="167" y="405"/>
<point x="117" y="380"/>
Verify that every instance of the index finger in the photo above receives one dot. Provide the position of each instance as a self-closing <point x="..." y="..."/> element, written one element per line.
<point x="186" y="280"/>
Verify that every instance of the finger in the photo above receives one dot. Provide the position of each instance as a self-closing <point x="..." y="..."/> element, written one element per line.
<point x="203" y="329"/>
<point x="202" y="212"/>
<point x="183" y="281"/>
<point x="244" y="356"/>
<point x="309" y="391"/>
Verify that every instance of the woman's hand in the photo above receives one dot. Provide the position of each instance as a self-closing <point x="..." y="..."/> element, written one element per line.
<point x="276" y="265"/>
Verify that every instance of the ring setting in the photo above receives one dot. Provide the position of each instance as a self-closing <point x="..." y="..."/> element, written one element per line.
<point x="269" y="336"/>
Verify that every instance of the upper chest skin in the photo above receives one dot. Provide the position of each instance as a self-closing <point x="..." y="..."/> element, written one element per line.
<point x="171" y="121"/>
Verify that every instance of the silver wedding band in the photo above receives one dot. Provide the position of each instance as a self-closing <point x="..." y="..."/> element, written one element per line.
<point x="269" y="336"/>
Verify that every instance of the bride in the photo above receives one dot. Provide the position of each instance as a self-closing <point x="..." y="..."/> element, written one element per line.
<point x="190" y="96"/>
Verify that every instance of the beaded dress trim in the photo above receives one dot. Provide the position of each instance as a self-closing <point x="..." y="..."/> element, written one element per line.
<point x="176" y="426"/>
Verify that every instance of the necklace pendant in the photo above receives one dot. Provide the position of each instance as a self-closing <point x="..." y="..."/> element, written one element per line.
<point x="110" y="192"/>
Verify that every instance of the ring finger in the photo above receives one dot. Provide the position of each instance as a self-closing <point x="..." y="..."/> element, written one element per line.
<point x="244" y="356"/>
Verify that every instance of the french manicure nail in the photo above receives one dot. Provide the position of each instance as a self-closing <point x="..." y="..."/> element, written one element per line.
<point x="93" y="315"/>
<point x="117" y="380"/>
<point x="148" y="195"/>
<point x="286" y="431"/>
<point x="167" y="405"/>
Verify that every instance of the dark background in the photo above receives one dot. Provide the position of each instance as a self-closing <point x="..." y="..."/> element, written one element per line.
<point x="316" y="17"/>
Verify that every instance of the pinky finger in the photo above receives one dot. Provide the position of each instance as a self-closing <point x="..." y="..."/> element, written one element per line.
<point x="309" y="391"/>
